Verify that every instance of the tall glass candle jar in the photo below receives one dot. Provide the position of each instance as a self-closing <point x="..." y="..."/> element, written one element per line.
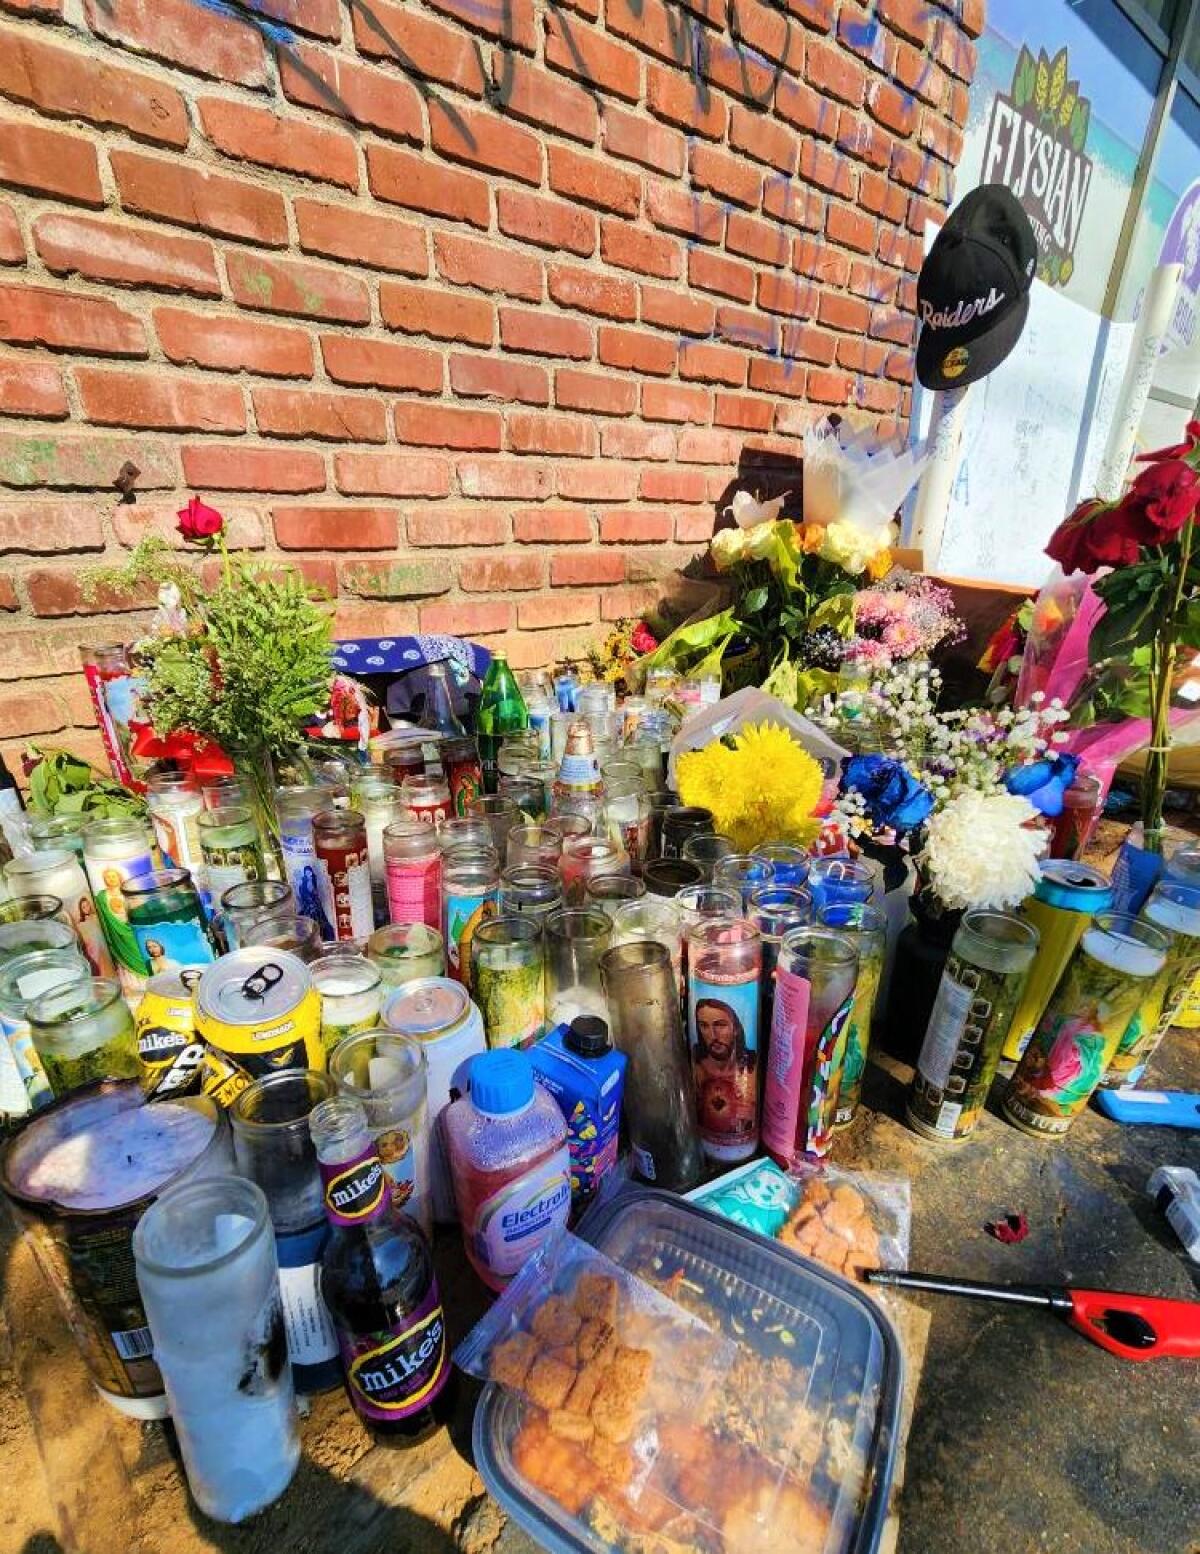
<point x="463" y="769"/>
<point x="526" y="790"/>
<point x="500" y="814"/>
<point x="575" y="940"/>
<point x="814" y="990"/>
<point x="1175" y="908"/>
<point x="298" y="934"/>
<point x="791" y="864"/>
<point x="232" y="847"/>
<point x="59" y="873"/>
<point x="743" y="872"/>
<point x="405" y="951"/>
<point x="344" y="872"/>
<point x="24" y="1086"/>
<point x="568" y="826"/>
<point x="413" y="860"/>
<point x="470" y="884"/>
<point x="296" y="808"/>
<point x="380" y="803"/>
<point x="833" y="880"/>
<point x="163" y="909"/>
<point x="114" y="850"/>
<point x="427" y="799"/>
<point x="273" y="1148"/>
<point x="21" y="934"/>
<point x="386" y="1074"/>
<point x="659" y="1103"/>
<point x="253" y="901"/>
<point x="774" y="910"/>
<point x="83" y="1031"/>
<point x="611" y="891"/>
<point x="583" y="857"/>
<point x="209" y="1281"/>
<point x="404" y="754"/>
<point x="175" y="804"/>
<point x="220" y="792"/>
<point x="1110" y="972"/>
<point x="508" y="980"/>
<point x="530" y="889"/>
<point x="535" y="844"/>
<point x="985" y="973"/>
<point x="48" y="833"/>
<point x="724" y="967"/>
<point x="653" y="918"/>
<point x="680" y="822"/>
<point x="707" y="849"/>
<point x="669" y="877"/>
<point x="661" y="800"/>
<point x="351" y="989"/>
<point x="465" y="831"/>
<point x="866" y="928"/>
<point x="627" y="817"/>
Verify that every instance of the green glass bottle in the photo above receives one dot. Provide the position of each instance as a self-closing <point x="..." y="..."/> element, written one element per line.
<point x="501" y="711"/>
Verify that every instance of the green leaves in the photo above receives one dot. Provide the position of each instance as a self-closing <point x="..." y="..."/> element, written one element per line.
<point x="1134" y="597"/>
<point x="753" y="602"/>
<point x="1024" y="78"/>
<point x="62" y="784"/>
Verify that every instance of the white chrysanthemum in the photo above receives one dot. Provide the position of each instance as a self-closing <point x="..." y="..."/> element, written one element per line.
<point x="979" y="851"/>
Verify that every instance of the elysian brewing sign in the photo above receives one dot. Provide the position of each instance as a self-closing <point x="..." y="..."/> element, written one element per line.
<point x="1035" y="144"/>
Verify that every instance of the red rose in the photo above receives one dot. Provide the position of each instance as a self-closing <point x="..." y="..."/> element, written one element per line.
<point x="1161" y="500"/>
<point x="198" y="522"/>
<point x="1179" y="451"/>
<point x="1092" y="537"/>
<point x="642" y="639"/>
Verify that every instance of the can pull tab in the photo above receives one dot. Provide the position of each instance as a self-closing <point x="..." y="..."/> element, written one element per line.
<point x="189" y="976"/>
<point x="259" y="983"/>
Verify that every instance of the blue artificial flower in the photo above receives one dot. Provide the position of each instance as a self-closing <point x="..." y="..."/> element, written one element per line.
<point x="893" y="797"/>
<point x="1044" y="782"/>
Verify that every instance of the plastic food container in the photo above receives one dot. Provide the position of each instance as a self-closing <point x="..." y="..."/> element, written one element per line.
<point x="803" y="1438"/>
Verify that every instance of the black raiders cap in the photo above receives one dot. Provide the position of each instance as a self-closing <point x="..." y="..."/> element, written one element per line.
<point x="973" y="289"/>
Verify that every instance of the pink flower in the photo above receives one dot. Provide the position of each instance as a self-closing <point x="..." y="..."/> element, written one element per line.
<point x="1063" y="1061"/>
<point x="199" y="522"/>
<point x="642" y="639"/>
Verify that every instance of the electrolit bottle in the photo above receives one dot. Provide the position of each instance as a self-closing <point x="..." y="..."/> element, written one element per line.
<point x="507" y="1144"/>
<point x="501" y="711"/>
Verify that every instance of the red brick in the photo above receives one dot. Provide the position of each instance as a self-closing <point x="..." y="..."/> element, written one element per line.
<point x="762" y="29"/>
<point x="740" y="71"/>
<point x="315" y="77"/>
<point x="12" y="244"/>
<point x="131" y="524"/>
<point x="631" y="440"/>
<point x="636" y="350"/>
<point x="468" y="262"/>
<point x="602" y="64"/>
<point x="940" y="137"/>
<point x="57" y="591"/>
<point x="404" y="577"/>
<point x="591" y="293"/>
<point x="544" y="334"/>
<point x="382" y="364"/>
<point x="529" y="93"/>
<point x="918" y="170"/>
<point x="444" y="315"/>
<point x="850" y="228"/>
<point x="635" y="528"/>
<point x="909" y="18"/>
<point x="706" y="445"/>
<point x="37" y="315"/>
<point x="594" y="181"/>
<point x="194" y="196"/>
<point x="860" y="32"/>
<point x="336" y="528"/>
<point x="84" y="462"/>
<point x="880" y="196"/>
<point x="860" y="355"/>
<point x="917" y="73"/>
<point x="45" y="528"/>
<point x="361" y="237"/>
<point x="445" y="426"/>
<point x="547" y="223"/>
<point x="60" y="81"/>
<point x="713" y="272"/>
<point x="51" y="9"/>
<point x="390" y="474"/>
<point x="31" y="711"/>
<point x="281" y="412"/>
<point x="239" y="468"/>
<point x="31" y="388"/>
<point x="618" y="603"/>
<point x="790" y="295"/>
<point x="763" y="138"/>
<point x="288" y="145"/>
<point x="564" y="436"/>
<point x="672" y="485"/>
<point x="672" y="95"/>
<point x="809" y="343"/>
<point x="834" y="72"/>
<point x="467" y="618"/>
<point x="675" y="209"/>
<point x="321" y="18"/>
<point x="125" y="255"/>
<point x="425" y="47"/>
<point x="199" y="39"/>
<point x="890" y="106"/>
<point x="732" y="177"/>
<point x="639" y="139"/>
<point x="748" y="415"/>
<point x="887" y="324"/>
<point x="694" y="528"/>
<point x="501" y="574"/>
<point x="828" y="388"/>
<point x="781" y="376"/>
<point x="556" y="610"/>
<point x="847" y="313"/>
<point x="674" y="402"/>
<point x="375" y="619"/>
<point x="481" y="138"/>
<point x="757" y="239"/>
<point x="8" y="596"/>
<point x="954" y="51"/>
<point x="597" y="482"/>
<point x="505" y="477"/>
<point x="159" y="400"/>
<point x="678" y="311"/>
<point x="444" y="526"/>
<point x="407" y="178"/>
<point x="748" y="327"/>
<point x="47" y="161"/>
<point x="858" y="137"/>
<point x="824" y="167"/>
<point x="817" y="261"/>
<point x="798" y="104"/>
<point x="509" y="21"/>
<point x="294" y="287"/>
<point x="588" y="567"/>
<point x="648" y="24"/>
<point x="552" y="526"/>
<point x="701" y="362"/>
<point x="599" y="393"/>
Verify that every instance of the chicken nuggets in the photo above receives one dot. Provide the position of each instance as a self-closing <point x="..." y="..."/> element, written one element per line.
<point x="555" y="1323"/>
<point x="579" y="1399"/>
<point x="631" y="1368"/>
<point x="511" y="1358"/>
<point x="614" y="1461"/>
<point x="596" y="1295"/>
<point x="597" y="1339"/>
<point x="571" y="1427"/>
<point x="548" y="1382"/>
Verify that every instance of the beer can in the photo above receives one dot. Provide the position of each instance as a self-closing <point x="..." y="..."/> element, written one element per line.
<point x="221" y="1079"/>
<point x="256" y="1011"/>
<point x="165" y="1027"/>
<point x="1061" y="907"/>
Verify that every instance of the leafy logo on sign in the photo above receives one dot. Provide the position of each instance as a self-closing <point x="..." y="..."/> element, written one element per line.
<point x="1035" y="146"/>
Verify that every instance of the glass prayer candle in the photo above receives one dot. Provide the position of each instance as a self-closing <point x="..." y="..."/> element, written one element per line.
<point x="775" y="910"/>
<point x="114" y="850"/>
<point x="405" y="951"/>
<point x="791" y="864"/>
<point x="413" y="857"/>
<point x="500" y="814"/>
<point x="575" y="940"/>
<point x="427" y="799"/>
<point x="219" y="792"/>
<point x="661" y="800"/>
<point x="723" y="970"/>
<point x="232" y="847"/>
<point x="470" y="884"/>
<point x="668" y="876"/>
<point x="175" y="804"/>
<point x="83" y="1031"/>
<point x="680" y="822"/>
<point x="535" y="844"/>
<point x="380" y="803"/>
<point x="526" y="791"/>
<point x="24" y="1086"/>
<point x="530" y="889"/>
<point x="840" y="880"/>
<point x="611" y="891"/>
<point x="343" y="872"/>
<point x="508" y="982"/>
<point x="465" y="831"/>
<point x="252" y="901"/>
<point x="866" y="928"/>
<point x="57" y="875"/>
<point x="50" y="832"/>
<point x="170" y="926"/>
<point x="33" y="909"/>
<point x="743" y="872"/>
<point x="654" y="919"/>
<point x="568" y="826"/>
<point x="584" y="857"/>
<point x="296" y="808"/>
<point x="351" y="989"/>
<point x="404" y="754"/>
<point x="627" y="818"/>
<point x="386" y="1073"/>
<point x="707" y="850"/>
<point x="299" y="934"/>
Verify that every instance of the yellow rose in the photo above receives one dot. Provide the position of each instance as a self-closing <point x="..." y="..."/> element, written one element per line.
<point x="879" y="565"/>
<point x="728" y="548"/>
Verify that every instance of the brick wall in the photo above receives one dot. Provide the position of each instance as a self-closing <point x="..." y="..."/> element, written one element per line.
<point x="470" y="307"/>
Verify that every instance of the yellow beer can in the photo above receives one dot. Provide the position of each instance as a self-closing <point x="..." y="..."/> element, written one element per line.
<point x="257" y="1012"/>
<point x="165" y="1028"/>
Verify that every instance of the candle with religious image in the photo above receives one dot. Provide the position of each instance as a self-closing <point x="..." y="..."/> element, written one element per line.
<point x="117" y="849"/>
<point x="58" y="872"/>
<point x="724" y="967"/>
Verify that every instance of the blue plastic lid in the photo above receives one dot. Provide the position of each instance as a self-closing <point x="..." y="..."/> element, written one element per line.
<point x="501" y="1081"/>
